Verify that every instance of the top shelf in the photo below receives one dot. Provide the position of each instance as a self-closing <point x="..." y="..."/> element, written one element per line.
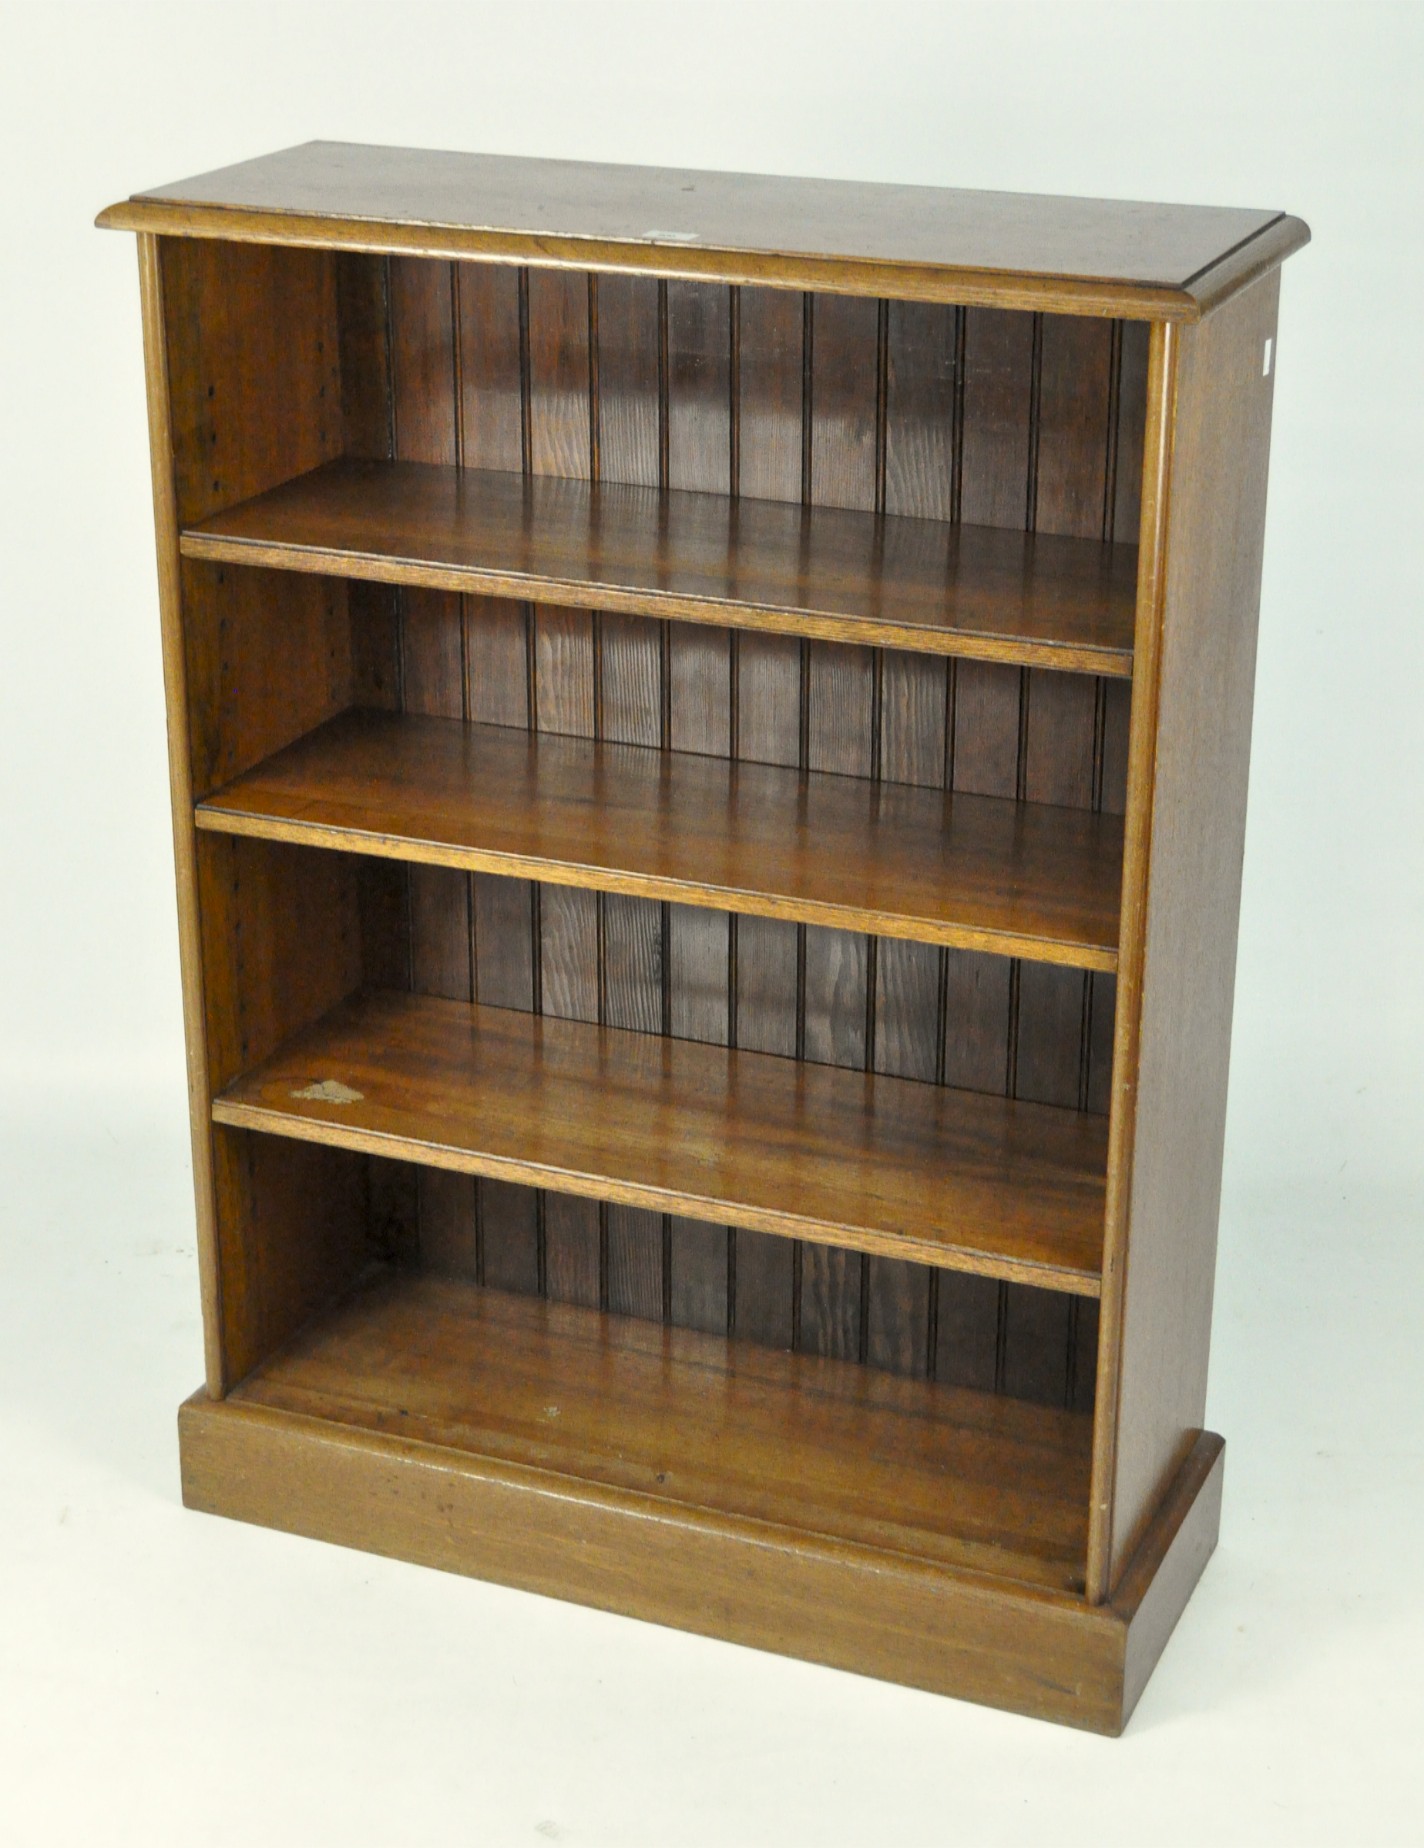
<point x="927" y="243"/>
<point x="975" y="591"/>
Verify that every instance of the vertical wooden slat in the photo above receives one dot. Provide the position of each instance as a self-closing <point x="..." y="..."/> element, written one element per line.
<point x="699" y="718"/>
<point x="767" y="389"/>
<point x="629" y="447"/>
<point x="699" y="457"/>
<point x="698" y="975"/>
<point x="570" y="989"/>
<point x="921" y="476"/>
<point x="489" y="366"/>
<point x="1075" y="393"/>
<point x="699" y="386"/>
<point x="565" y="672"/>
<point x="967" y="1331"/>
<point x="995" y="379"/>
<point x="1037" y="1345"/>
<point x="770" y="387"/>
<point x="898" y="1295"/>
<point x="509" y="1236"/>
<point x="764" y="1019"/>
<point x="572" y="1250"/>
<point x="426" y="413"/>
<point x="998" y="364"/>
<point x="505" y="977"/>
<point x="633" y="998"/>
<point x="631" y="679"/>
<point x="558" y="373"/>
<point x="492" y="430"/>
<point x="568" y="937"/>
<point x="361" y="291"/>
<point x="843" y="443"/>
<point x="423" y="360"/>
<point x="496" y="651"/>
<point x="920" y="463"/>
<point x="843" y="402"/>
<point x="628" y="379"/>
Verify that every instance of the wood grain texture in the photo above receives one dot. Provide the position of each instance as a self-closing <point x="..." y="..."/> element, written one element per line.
<point x="834" y="573"/>
<point x="972" y="871"/>
<point x="619" y="1510"/>
<point x="1189" y="775"/>
<point x="677" y="1126"/>
<point x="1090" y="256"/>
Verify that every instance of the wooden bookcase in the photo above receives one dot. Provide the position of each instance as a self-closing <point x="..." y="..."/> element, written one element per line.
<point x="709" y="722"/>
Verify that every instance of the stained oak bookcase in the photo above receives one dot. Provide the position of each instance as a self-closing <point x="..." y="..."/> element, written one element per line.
<point x="708" y="722"/>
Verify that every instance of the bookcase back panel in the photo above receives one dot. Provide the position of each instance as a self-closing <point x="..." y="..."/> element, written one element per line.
<point x="935" y="412"/>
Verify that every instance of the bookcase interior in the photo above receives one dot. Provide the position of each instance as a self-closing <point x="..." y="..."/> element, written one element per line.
<point x="282" y="360"/>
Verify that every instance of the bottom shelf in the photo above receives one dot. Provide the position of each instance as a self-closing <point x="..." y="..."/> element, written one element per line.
<point x="694" y="1421"/>
<point x="918" y="1532"/>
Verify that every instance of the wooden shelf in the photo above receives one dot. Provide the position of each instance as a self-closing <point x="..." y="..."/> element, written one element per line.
<point x="971" y="871"/>
<point x="979" y="592"/>
<point x="678" y="1422"/>
<point x="951" y="1178"/>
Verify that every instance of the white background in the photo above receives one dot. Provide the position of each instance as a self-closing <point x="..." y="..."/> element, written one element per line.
<point x="170" y="1679"/>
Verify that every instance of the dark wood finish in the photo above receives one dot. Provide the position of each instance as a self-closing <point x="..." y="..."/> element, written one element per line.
<point x="891" y="603"/>
<point x="673" y="1125"/>
<point x="703" y="1484"/>
<point x="1093" y="256"/>
<point x="972" y="871"/>
<point x="973" y="591"/>
<point x="1180" y="922"/>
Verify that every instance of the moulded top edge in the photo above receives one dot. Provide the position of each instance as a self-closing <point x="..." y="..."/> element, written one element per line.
<point x="917" y="242"/>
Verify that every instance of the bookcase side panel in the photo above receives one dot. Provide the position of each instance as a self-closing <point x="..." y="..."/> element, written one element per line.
<point x="243" y="351"/>
<point x="165" y="518"/>
<point x="1215" y="528"/>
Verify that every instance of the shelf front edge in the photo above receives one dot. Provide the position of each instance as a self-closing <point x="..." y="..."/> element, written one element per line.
<point x="1063" y="953"/>
<point x="235" y="1114"/>
<point x="866" y="1162"/>
<point x="956" y="870"/>
<point x="578" y="593"/>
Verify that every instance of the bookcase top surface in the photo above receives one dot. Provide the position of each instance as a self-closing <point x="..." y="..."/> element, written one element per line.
<point x="1095" y="256"/>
